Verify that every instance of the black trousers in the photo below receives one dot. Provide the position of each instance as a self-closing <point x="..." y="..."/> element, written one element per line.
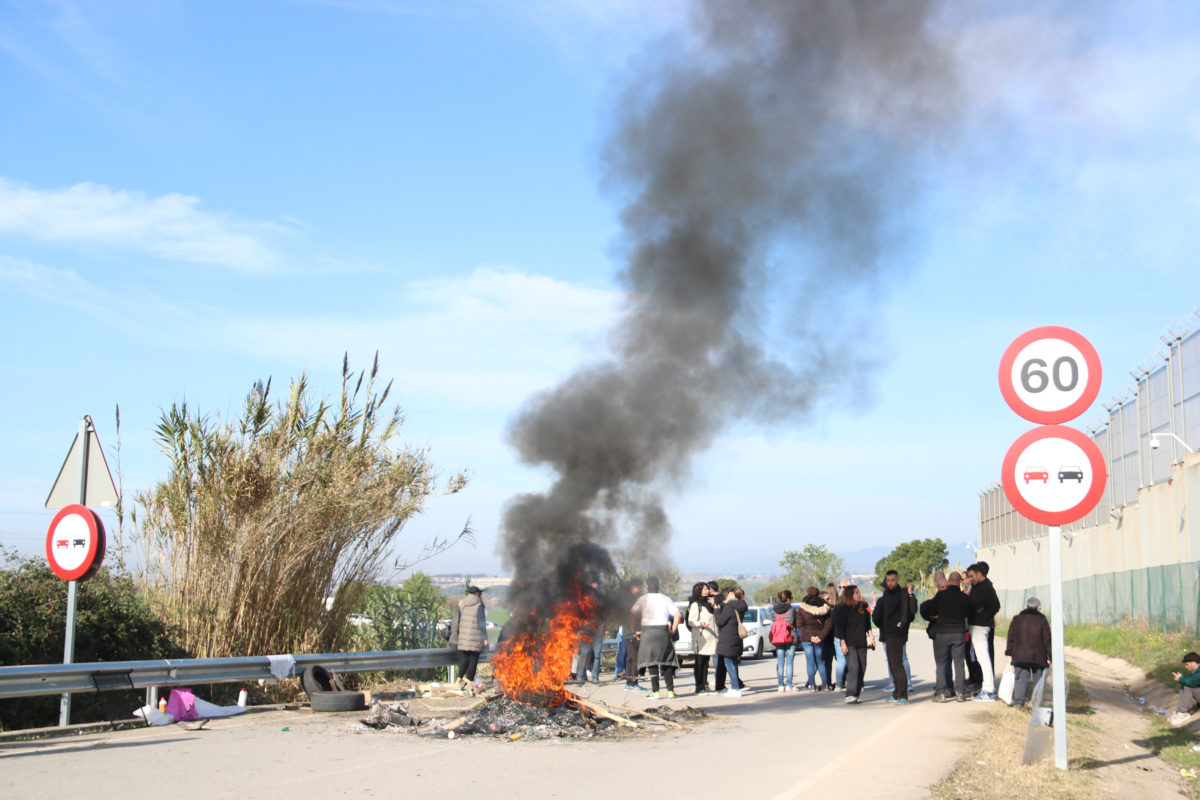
<point x="631" y="658"/>
<point x="700" y="671"/>
<point x="722" y="673"/>
<point x="468" y="660"/>
<point x="950" y="649"/>
<point x="856" y="667"/>
<point x="668" y="675"/>
<point x="895" y="657"/>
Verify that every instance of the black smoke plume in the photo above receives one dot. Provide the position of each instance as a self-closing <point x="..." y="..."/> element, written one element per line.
<point x="766" y="162"/>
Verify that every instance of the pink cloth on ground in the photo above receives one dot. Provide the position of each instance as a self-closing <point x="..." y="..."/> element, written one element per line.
<point x="182" y="705"/>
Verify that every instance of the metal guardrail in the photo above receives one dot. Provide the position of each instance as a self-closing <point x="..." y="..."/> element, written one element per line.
<point x="30" y="681"/>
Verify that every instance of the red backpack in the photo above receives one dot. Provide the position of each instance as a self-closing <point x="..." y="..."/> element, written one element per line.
<point x="781" y="634"/>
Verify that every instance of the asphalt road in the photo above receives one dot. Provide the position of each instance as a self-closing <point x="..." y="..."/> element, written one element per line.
<point x="764" y="745"/>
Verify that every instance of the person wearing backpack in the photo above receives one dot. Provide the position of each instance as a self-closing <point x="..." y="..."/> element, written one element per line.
<point x="783" y="636"/>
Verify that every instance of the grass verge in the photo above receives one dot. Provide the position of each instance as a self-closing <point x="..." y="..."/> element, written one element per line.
<point x="1155" y="652"/>
<point x="991" y="767"/>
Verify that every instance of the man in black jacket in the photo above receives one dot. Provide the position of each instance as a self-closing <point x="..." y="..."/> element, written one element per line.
<point x="947" y="611"/>
<point x="893" y="614"/>
<point x="1028" y="649"/>
<point x="983" y="607"/>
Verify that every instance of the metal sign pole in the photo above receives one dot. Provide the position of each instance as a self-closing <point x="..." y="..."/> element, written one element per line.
<point x="64" y="707"/>
<point x="1058" y="668"/>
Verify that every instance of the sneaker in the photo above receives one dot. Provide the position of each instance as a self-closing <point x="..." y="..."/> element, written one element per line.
<point x="1178" y="718"/>
<point x="962" y="698"/>
<point x="655" y="695"/>
<point x="635" y="687"/>
<point x="902" y="701"/>
<point x="942" y="697"/>
<point x="984" y="697"/>
<point x="889" y="699"/>
<point x="670" y="694"/>
<point x="780" y="689"/>
<point x="733" y="693"/>
<point x="850" y="699"/>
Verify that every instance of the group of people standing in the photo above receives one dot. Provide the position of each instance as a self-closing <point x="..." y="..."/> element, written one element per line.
<point x="645" y="641"/>
<point x="832" y="629"/>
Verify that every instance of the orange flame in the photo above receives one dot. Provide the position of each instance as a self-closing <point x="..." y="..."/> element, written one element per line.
<point x="533" y="667"/>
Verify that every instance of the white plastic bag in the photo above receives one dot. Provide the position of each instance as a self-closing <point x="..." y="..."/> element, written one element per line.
<point x="153" y="716"/>
<point x="1007" y="681"/>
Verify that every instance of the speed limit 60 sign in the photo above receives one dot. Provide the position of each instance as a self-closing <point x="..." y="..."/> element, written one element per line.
<point x="1050" y="375"/>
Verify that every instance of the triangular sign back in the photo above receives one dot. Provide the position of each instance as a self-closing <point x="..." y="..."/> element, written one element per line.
<point x="100" y="488"/>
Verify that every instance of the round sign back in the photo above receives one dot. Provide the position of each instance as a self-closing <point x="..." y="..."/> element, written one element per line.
<point x="1050" y="375"/>
<point x="75" y="543"/>
<point x="1054" y="475"/>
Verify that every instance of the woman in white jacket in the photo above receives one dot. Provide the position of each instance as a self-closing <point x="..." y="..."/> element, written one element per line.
<point x="703" y="625"/>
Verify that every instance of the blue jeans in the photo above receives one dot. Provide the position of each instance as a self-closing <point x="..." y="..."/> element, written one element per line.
<point x="785" y="658"/>
<point x="620" y="653"/>
<point x="589" y="658"/>
<point x="814" y="657"/>
<point x="731" y="667"/>
<point x="839" y="675"/>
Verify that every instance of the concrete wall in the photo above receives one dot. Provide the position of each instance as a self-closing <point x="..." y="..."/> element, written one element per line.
<point x="1145" y="564"/>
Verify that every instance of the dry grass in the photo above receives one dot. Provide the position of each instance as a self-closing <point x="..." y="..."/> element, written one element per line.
<point x="261" y="520"/>
<point x="991" y="768"/>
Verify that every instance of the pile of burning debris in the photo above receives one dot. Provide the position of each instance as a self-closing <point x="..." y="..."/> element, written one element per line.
<point x="445" y="712"/>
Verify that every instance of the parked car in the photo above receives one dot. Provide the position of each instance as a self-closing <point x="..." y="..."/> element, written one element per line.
<point x="757" y="620"/>
<point x="757" y="642"/>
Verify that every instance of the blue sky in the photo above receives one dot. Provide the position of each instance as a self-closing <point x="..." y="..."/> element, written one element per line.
<point x="194" y="196"/>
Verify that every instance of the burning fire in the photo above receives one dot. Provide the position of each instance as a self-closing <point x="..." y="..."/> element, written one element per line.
<point x="533" y="666"/>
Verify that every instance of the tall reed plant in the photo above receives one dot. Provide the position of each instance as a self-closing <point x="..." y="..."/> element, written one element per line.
<point x="261" y="521"/>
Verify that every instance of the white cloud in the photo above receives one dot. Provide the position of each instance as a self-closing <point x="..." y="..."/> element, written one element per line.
<point x="484" y="340"/>
<point x="170" y="226"/>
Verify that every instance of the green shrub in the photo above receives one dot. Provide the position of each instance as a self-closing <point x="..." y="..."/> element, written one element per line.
<point x="112" y="623"/>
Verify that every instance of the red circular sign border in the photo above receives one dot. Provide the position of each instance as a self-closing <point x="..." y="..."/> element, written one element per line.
<point x="88" y="567"/>
<point x="1008" y="476"/>
<point x="1090" y="392"/>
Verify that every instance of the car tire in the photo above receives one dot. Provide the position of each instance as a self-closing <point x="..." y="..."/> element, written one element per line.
<point x="338" y="701"/>
<point x="316" y="679"/>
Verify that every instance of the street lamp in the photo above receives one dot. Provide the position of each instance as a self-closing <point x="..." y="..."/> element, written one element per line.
<point x="1155" y="443"/>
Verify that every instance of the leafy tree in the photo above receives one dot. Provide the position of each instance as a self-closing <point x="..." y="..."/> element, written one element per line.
<point x="815" y="565"/>
<point x="112" y="623"/>
<point x="402" y="617"/>
<point x="258" y="521"/>
<point x="916" y="561"/>
<point x="669" y="578"/>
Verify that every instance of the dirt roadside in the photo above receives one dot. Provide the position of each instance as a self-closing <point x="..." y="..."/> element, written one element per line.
<point x="1108" y="749"/>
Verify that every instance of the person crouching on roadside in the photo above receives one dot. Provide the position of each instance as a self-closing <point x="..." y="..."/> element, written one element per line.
<point x="1189" y="689"/>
